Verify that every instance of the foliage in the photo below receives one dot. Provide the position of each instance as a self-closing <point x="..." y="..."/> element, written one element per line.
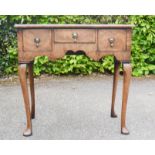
<point x="143" y="46"/>
<point x="72" y="64"/>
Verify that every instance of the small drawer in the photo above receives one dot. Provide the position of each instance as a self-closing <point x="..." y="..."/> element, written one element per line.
<point x="37" y="40"/>
<point x="111" y="40"/>
<point x="75" y="36"/>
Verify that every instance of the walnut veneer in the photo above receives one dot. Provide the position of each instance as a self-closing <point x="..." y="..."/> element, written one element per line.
<point x="54" y="41"/>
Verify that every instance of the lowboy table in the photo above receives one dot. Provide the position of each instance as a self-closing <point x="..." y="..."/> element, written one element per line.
<point x="54" y="41"/>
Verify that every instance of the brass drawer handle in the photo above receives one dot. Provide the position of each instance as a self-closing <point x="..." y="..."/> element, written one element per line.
<point x="111" y="41"/>
<point x="37" y="41"/>
<point x="75" y="36"/>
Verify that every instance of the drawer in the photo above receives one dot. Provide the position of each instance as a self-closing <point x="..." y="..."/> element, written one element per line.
<point x="75" y="36"/>
<point x="111" y="39"/>
<point x="37" y="40"/>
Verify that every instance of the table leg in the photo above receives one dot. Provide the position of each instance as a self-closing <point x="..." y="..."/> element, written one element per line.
<point x="115" y="81"/>
<point x="31" y="79"/>
<point x="23" y="81"/>
<point x="127" y="70"/>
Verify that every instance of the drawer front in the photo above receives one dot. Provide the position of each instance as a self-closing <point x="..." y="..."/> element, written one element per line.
<point x="111" y="40"/>
<point x="37" y="40"/>
<point x="75" y="36"/>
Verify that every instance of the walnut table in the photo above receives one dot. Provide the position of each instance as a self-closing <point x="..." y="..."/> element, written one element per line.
<point x="55" y="41"/>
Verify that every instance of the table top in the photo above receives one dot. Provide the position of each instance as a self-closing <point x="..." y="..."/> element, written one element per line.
<point x="26" y="26"/>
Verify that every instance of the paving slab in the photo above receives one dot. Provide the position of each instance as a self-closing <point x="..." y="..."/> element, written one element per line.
<point x="78" y="108"/>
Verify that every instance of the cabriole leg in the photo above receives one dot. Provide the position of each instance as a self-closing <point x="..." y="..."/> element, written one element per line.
<point x="127" y="70"/>
<point x="115" y="81"/>
<point x="31" y="79"/>
<point x="23" y="80"/>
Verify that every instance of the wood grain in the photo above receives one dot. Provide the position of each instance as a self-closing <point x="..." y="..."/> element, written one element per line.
<point x="55" y="40"/>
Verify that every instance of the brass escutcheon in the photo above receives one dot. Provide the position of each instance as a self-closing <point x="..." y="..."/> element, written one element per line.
<point x="37" y="41"/>
<point x="111" y="41"/>
<point x="75" y="36"/>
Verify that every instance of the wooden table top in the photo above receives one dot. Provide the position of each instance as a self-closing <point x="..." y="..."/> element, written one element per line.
<point x="25" y="26"/>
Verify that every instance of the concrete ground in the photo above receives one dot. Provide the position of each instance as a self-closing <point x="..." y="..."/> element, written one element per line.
<point x="78" y="107"/>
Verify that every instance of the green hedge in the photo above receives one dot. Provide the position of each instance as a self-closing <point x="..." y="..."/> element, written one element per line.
<point x="143" y="46"/>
